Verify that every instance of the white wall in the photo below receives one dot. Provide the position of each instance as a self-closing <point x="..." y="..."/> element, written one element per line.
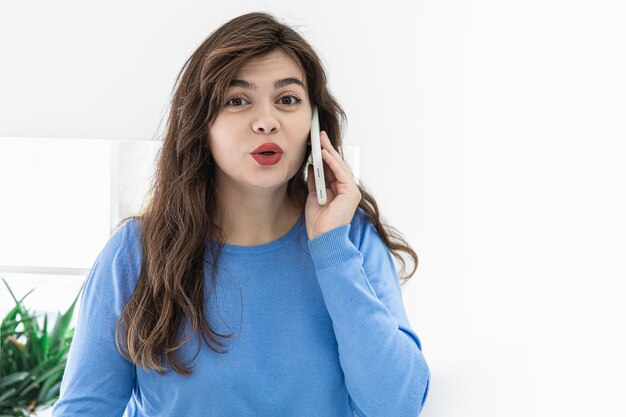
<point x="492" y="137"/>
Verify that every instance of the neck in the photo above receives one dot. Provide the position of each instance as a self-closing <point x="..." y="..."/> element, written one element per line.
<point x="249" y="224"/>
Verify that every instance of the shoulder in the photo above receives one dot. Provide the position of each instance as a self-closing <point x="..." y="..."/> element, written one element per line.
<point x="130" y="232"/>
<point x="121" y="255"/>
<point x="125" y="237"/>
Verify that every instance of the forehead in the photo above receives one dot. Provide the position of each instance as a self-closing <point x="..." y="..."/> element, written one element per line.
<point x="276" y="64"/>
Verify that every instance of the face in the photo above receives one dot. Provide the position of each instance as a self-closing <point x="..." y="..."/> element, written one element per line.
<point x="256" y="111"/>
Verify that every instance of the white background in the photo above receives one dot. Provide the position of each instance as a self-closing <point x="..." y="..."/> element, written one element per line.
<point x="490" y="132"/>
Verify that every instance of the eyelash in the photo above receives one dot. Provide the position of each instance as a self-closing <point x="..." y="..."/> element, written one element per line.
<point x="298" y="101"/>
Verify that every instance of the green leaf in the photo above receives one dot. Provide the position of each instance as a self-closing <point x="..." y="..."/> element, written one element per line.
<point x="12" y="295"/>
<point x="7" y="394"/>
<point x="63" y="322"/>
<point x="37" y="382"/>
<point x="10" y="318"/>
<point x="18" y="304"/>
<point x="18" y="354"/>
<point x="50" y="388"/>
<point x="13" y="378"/>
<point x="33" y="360"/>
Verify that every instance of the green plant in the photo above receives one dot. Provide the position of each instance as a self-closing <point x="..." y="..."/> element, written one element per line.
<point x="32" y="360"/>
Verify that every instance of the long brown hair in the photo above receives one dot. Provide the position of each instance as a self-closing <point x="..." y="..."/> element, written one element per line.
<point x="180" y="214"/>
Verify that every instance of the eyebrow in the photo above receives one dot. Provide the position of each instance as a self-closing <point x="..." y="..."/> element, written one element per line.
<point x="277" y="83"/>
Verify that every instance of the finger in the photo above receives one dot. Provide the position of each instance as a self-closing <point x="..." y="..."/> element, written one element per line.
<point x="329" y="175"/>
<point x="327" y="144"/>
<point x="338" y="167"/>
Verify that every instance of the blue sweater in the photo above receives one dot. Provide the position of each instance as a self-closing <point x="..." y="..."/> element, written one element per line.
<point x="320" y="330"/>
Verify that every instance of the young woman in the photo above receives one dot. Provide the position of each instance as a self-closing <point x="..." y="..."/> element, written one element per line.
<point x="307" y="295"/>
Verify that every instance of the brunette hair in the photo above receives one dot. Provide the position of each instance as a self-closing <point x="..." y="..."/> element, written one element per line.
<point x="181" y="211"/>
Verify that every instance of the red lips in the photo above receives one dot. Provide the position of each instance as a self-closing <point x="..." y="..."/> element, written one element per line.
<point x="268" y="147"/>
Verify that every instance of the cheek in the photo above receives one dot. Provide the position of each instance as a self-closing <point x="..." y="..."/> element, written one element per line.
<point x="301" y="131"/>
<point x="219" y="139"/>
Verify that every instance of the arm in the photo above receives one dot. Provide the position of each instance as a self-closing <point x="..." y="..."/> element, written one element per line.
<point x="384" y="369"/>
<point x="98" y="381"/>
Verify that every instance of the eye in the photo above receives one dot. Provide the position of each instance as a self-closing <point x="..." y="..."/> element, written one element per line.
<point x="297" y="100"/>
<point x="235" y="98"/>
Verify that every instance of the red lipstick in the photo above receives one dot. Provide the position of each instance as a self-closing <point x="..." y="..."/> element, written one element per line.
<point x="264" y="159"/>
<point x="268" y="147"/>
<point x="267" y="154"/>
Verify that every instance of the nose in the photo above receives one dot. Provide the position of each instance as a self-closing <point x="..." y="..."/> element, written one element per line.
<point x="263" y="129"/>
<point x="265" y="123"/>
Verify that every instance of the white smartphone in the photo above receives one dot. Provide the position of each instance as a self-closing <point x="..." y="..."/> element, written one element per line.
<point x="316" y="153"/>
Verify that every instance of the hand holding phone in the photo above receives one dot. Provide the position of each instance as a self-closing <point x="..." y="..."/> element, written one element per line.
<point x="318" y="163"/>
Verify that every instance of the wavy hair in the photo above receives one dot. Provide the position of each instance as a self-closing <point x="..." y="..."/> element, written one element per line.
<point x="181" y="211"/>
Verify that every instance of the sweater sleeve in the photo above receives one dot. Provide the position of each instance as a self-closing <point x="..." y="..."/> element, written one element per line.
<point x="98" y="381"/>
<point x="384" y="369"/>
